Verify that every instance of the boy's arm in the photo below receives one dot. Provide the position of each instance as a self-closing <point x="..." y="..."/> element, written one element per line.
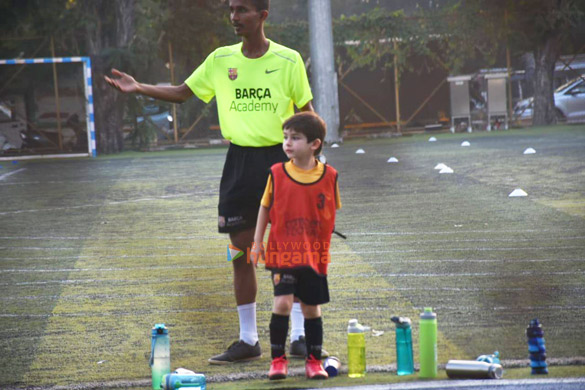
<point x="261" y="223"/>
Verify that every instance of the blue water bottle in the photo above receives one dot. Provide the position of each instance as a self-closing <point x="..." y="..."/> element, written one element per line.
<point x="493" y="358"/>
<point x="160" y="354"/>
<point x="536" y="348"/>
<point x="184" y="381"/>
<point x="404" y="357"/>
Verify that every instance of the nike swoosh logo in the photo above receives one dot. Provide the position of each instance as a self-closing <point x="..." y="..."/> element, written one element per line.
<point x="271" y="71"/>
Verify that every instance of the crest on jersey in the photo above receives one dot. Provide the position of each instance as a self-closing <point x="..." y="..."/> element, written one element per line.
<point x="233" y="73"/>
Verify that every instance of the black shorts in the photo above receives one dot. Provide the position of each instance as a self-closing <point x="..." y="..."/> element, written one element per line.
<point x="243" y="181"/>
<point x="304" y="283"/>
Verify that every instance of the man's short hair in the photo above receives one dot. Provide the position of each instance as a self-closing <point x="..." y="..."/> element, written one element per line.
<point x="261" y="5"/>
<point x="309" y="124"/>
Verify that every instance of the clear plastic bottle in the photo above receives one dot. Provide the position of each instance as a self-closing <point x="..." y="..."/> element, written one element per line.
<point x="356" y="349"/>
<point x="160" y="354"/>
<point x="428" y="344"/>
<point x="404" y="358"/>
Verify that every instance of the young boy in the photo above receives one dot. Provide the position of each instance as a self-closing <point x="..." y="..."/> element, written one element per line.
<point x="300" y="201"/>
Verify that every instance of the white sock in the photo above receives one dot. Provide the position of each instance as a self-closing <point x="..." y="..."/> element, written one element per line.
<point x="297" y="322"/>
<point x="248" y="329"/>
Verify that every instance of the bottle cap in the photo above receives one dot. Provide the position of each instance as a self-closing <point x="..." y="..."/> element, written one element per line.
<point x="401" y="322"/>
<point x="159" y="329"/>
<point x="428" y="314"/>
<point x="354" y="327"/>
<point x="331" y="365"/>
<point x="495" y="371"/>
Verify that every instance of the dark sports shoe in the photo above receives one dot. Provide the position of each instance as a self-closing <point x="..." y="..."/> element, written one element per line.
<point x="238" y="351"/>
<point x="298" y="349"/>
<point x="278" y="368"/>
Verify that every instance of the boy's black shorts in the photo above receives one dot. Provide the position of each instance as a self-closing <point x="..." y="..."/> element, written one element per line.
<point x="304" y="283"/>
<point x="242" y="185"/>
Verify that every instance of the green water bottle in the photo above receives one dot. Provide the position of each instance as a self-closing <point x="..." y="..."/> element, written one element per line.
<point x="428" y="344"/>
<point x="356" y="349"/>
<point x="160" y="354"/>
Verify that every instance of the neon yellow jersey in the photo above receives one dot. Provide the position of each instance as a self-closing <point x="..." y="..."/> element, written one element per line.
<point x="254" y="96"/>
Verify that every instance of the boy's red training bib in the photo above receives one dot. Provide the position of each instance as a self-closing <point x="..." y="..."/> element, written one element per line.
<point x="302" y="218"/>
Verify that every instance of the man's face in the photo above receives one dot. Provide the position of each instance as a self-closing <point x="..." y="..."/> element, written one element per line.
<point x="245" y="18"/>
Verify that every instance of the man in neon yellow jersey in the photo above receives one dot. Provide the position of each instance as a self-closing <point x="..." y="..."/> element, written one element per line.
<point x="256" y="84"/>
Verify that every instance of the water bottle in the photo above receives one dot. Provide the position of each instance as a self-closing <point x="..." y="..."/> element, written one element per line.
<point x="428" y="344"/>
<point x="183" y="381"/>
<point x="160" y="354"/>
<point x="356" y="349"/>
<point x="473" y="369"/>
<point x="404" y="358"/>
<point x="331" y="365"/>
<point x="536" y="348"/>
<point x="493" y="358"/>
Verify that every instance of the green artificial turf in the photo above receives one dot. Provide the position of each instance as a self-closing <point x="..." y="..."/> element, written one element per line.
<point x="94" y="252"/>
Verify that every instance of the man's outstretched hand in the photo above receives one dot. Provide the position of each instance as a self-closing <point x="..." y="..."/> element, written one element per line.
<point x="123" y="82"/>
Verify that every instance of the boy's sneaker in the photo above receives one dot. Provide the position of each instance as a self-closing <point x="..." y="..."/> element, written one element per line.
<point x="278" y="368"/>
<point x="314" y="369"/>
<point x="238" y="351"/>
<point x="298" y="349"/>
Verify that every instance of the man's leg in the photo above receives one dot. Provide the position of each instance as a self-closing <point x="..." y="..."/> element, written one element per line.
<point x="245" y="288"/>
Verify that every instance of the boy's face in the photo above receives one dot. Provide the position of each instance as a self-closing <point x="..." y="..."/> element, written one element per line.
<point x="245" y="18"/>
<point x="296" y="145"/>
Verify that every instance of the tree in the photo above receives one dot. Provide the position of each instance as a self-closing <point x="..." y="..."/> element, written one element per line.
<point x="483" y="28"/>
<point x="108" y="34"/>
<point x="101" y="29"/>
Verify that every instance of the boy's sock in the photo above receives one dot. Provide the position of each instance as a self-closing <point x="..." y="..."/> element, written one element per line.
<point x="297" y="322"/>
<point x="248" y="329"/>
<point x="314" y="336"/>
<point x="278" y="331"/>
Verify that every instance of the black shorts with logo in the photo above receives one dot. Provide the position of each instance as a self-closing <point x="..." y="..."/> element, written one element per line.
<point x="242" y="185"/>
<point x="304" y="283"/>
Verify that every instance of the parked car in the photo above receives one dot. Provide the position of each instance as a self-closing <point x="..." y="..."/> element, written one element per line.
<point x="569" y="103"/>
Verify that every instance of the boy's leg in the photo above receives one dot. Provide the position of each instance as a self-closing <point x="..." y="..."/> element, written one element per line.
<point x="313" y="329"/>
<point x="245" y="289"/>
<point x="314" y="338"/>
<point x="279" y="324"/>
<point x="278" y="331"/>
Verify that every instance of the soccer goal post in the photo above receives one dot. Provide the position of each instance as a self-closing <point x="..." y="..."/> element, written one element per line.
<point x="46" y="108"/>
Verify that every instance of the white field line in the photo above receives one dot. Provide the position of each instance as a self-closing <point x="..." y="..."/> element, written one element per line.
<point x="333" y="264"/>
<point x="101" y="257"/>
<point x="127" y="282"/>
<point x="98" y="248"/>
<point x="333" y="278"/>
<point x="107" y="180"/>
<point x="110" y="239"/>
<point x="461" y="231"/>
<point x="541" y="248"/>
<point x="547" y="238"/>
<point x="117" y="238"/>
<point x="113" y="269"/>
<point x="395" y="262"/>
<point x="229" y="293"/>
<point x="4" y="176"/>
<point x="463" y="274"/>
<point x="111" y="203"/>
<point x="377" y="244"/>
<point x="110" y="248"/>
<point x="330" y="308"/>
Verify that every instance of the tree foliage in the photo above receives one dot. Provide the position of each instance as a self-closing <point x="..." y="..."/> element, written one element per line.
<point x="483" y="29"/>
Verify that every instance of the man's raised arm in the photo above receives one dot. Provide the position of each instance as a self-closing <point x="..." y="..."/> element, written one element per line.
<point x="170" y="93"/>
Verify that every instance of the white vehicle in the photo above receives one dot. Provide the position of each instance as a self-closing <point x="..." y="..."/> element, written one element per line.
<point x="569" y="103"/>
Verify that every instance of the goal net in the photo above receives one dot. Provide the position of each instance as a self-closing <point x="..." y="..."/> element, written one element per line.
<point x="46" y="108"/>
